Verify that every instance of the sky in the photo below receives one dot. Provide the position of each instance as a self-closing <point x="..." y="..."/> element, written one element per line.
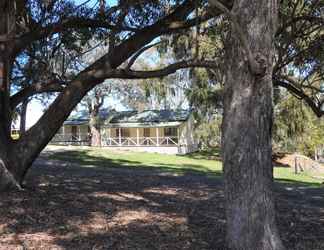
<point x="35" y="110"/>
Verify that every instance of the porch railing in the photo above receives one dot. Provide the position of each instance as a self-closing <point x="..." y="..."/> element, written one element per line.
<point x="70" y="138"/>
<point x="139" y="141"/>
<point x="116" y="141"/>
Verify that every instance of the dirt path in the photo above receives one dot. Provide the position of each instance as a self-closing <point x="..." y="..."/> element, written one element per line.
<point x="69" y="207"/>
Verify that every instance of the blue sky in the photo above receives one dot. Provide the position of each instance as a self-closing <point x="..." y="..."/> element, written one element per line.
<point x="35" y="110"/>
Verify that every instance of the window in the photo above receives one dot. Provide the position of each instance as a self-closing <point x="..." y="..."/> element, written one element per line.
<point x="171" y="132"/>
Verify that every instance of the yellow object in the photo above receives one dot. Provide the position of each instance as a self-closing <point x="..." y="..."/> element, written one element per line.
<point x="15" y="134"/>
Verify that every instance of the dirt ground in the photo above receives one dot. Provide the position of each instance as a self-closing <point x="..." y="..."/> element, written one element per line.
<point x="68" y="207"/>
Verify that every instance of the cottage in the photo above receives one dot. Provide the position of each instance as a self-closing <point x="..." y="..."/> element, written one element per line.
<point x="161" y="131"/>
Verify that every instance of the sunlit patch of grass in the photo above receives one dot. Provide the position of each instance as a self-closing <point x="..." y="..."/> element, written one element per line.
<point x="205" y="162"/>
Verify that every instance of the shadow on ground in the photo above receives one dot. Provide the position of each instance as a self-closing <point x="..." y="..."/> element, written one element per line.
<point x="85" y="158"/>
<point x="112" y="205"/>
<point x="208" y="154"/>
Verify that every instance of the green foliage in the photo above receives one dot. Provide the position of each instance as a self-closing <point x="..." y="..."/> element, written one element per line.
<point x="209" y="132"/>
<point x="296" y="128"/>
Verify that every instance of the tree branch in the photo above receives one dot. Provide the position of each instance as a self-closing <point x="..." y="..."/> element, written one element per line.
<point x="294" y="82"/>
<point x="170" y="69"/>
<point x="51" y="86"/>
<point x="140" y="52"/>
<point x="316" y="107"/>
<point x="42" y="32"/>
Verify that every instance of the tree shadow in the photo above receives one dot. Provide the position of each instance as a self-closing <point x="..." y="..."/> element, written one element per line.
<point x="109" y="204"/>
<point x="114" y="206"/>
<point x="208" y="154"/>
<point x="84" y="158"/>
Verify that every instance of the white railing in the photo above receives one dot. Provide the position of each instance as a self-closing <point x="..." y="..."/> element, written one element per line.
<point x="116" y="141"/>
<point x="139" y="141"/>
<point x="70" y="138"/>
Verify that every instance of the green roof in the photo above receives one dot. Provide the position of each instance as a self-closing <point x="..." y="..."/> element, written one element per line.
<point x="149" y="116"/>
<point x="146" y="116"/>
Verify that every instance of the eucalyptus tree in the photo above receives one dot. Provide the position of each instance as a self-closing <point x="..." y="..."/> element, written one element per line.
<point x="127" y="27"/>
<point x="300" y="52"/>
<point x="264" y="45"/>
<point x="247" y="122"/>
<point x="296" y="127"/>
<point x="93" y="102"/>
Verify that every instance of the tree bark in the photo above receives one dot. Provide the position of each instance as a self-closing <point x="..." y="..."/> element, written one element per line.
<point x="8" y="179"/>
<point x="246" y="131"/>
<point x="23" y="113"/>
<point x="7" y="23"/>
<point x="95" y="129"/>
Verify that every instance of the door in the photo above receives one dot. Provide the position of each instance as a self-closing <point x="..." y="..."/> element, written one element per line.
<point x="147" y="134"/>
<point x="74" y="133"/>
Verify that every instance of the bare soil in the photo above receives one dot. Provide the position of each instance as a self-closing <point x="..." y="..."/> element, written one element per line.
<point x="69" y="207"/>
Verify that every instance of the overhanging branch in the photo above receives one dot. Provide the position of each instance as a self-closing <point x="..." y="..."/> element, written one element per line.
<point x="140" y="52"/>
<point x="170" y="69"/>
<point x="71" y="23"/>
<point x="49" y="87"/>
<point x="316" y="107"/>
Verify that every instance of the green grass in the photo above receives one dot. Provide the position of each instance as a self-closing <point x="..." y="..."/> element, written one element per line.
<point x="207" y="163"/>
<point x="287" y="175"/>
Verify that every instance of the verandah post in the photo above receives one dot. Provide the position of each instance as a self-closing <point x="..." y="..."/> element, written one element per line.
<point x="137" y="136"/>
<point x="157" y="136"/>
<point x="119" y="134"/>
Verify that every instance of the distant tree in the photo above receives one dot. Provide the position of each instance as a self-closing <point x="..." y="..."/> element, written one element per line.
<point x="208" y="132"/>
<point x="296" y="128"/>
<point x="93" y="101"/>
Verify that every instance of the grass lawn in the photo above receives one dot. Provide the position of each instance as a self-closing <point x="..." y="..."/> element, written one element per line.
<point x="207" y="162"/>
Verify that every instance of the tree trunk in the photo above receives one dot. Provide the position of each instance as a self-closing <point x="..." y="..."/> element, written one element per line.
<point x="23" y="114"/>
<point x="8" y="177"/>
<point x="95" y="129"/>
<point x="246" y="131"/>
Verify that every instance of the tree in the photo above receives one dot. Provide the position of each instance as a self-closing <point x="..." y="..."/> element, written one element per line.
<point x="299" y="52"/>
<point x="247" y="124"/>
<point x="93" y="101"/>
<point x="296" y="127"/>
<point x="129" y="28"/>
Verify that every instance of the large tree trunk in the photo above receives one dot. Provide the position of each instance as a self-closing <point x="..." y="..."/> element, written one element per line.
<point x="8" y="177"/>
<point x="95" y="129"/>
<point x="247" y="124"/>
